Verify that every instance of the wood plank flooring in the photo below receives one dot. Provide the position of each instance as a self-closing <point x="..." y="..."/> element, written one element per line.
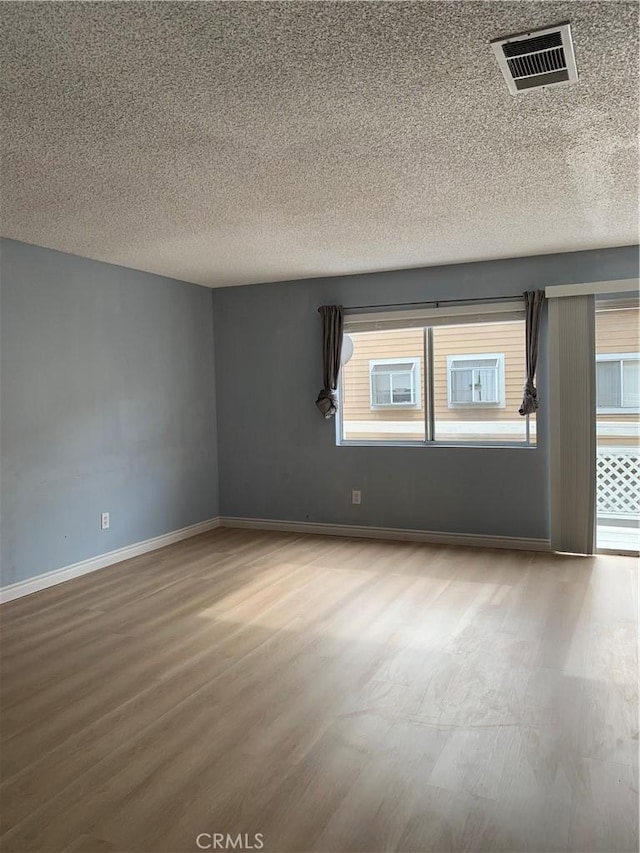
<point x="329" y="694"/>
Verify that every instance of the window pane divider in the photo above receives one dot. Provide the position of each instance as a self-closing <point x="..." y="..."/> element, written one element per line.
<point x="430" y="408"/>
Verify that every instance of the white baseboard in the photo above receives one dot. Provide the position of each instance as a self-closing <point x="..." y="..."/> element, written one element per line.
<point x="17" y="590"/>
<point x="473" y="540"/>
<point x="21" y="588"/>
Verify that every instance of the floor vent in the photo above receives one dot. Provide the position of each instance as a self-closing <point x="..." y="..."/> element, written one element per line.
<point x="537" y="60"/>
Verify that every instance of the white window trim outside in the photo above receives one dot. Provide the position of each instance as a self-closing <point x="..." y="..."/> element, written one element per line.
<point x="620" y="357"/>
<point x="416" y="380"/>
<point x="500" y="403"/>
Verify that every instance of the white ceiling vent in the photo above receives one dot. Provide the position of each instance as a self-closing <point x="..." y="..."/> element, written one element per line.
<point x="537" y="60"/>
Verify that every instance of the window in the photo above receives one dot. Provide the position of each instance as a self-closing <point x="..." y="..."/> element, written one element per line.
<point x="394" y="382"/>
<point x="618" y="382"/>
<point x="446" y="382"/>
<point x="476" y="380"/>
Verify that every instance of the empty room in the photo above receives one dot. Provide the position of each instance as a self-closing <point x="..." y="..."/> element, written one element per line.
<point x="319" y="426"/>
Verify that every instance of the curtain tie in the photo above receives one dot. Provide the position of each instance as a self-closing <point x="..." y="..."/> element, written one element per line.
<point x="529" y="400"/>
<point x="327" y="402"/>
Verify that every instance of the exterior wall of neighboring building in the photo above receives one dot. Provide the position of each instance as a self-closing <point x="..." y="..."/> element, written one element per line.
<point x="506" y="339"/>
<point x="617" y="332"/>
<point x="408" y="343"/>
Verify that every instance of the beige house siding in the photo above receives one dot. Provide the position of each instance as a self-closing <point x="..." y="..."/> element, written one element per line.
<point x="407" y="343"/>
<point x="506" y="338"/>
<point x="617" y="332"/>
<point x="498" y="338"/>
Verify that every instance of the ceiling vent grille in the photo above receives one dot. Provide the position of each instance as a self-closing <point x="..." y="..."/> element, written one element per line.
<point x="537" y="60"/>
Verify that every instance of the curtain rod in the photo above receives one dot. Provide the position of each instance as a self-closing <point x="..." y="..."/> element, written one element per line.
<point x="436" y="302"/>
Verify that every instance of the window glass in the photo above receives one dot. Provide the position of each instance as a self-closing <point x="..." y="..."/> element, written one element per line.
<point x="617" y="424"/>
<point x="381" y="392"/>
<point x="381" y="389"/>
<point x="631" y="383"/>
<point x="478" y="374"/>
<point x="401" y="388"/>
<point x="468" y="390"/>
<point x="608" y="384"/>
<point x="618" y="383"/>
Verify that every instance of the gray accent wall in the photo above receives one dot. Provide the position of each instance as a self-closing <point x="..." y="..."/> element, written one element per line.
<point x="278" y="457"/>
<point x="107" y="404"/>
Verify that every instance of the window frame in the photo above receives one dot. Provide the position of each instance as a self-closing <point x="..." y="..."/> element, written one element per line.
<point x="500" y="403"/>
<point x="416" y="379"/>
<point x="428" y="320"/>
<point x="620" y="357"/>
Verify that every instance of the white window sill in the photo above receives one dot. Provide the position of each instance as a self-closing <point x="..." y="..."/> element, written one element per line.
<point x="385" y="407"/>
<point x="518" y="445"/>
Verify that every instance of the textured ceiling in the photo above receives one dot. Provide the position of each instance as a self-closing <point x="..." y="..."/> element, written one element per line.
<point x="233" y="142"/>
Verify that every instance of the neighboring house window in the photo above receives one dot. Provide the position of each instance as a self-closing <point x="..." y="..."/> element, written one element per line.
<point x="618" y="382"/>
<point x="394" y="382"/>
<point x="476" y="380"/>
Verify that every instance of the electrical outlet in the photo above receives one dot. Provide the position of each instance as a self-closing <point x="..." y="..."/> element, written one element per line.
<point x="356" y="496"/>
<point x="104" y="521"/>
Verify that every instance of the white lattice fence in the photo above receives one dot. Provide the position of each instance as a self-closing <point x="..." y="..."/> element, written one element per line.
<point x="618" y="478"/>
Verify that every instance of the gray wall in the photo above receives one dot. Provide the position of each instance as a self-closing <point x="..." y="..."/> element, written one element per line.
<point x="278" y="457"/>
<point x="107" y="403"/>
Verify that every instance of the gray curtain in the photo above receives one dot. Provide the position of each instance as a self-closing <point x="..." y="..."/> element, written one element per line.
<point x="332" y="320"/>
<point x="533" y="301"/>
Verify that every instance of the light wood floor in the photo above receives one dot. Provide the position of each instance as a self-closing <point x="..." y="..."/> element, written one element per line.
<point x="331" y="694"/>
